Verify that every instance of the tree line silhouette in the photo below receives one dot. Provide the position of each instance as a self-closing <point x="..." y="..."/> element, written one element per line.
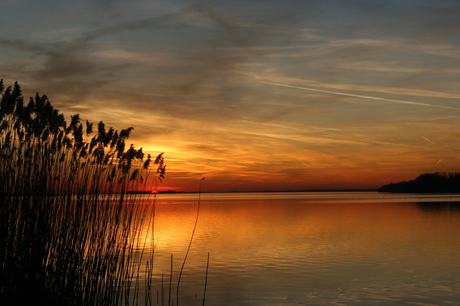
<point x="427" y="183"/>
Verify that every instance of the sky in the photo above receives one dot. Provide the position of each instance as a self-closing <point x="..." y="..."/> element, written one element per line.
<point x="253" y="95"/>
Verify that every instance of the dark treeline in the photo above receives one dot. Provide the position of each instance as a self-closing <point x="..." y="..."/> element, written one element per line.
<point x="427" y="183"/>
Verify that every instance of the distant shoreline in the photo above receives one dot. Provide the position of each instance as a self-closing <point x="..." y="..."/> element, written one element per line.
<point x="273" y="191"/>
<point x="426" y="183"/>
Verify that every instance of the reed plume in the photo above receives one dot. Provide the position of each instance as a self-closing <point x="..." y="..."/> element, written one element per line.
<point x="69" y="232"/>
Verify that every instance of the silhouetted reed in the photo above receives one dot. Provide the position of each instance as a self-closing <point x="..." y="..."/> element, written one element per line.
<point x="69" y="232"/>
<point x="190" y="244"/>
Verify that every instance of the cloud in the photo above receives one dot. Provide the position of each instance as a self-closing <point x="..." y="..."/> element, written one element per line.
<point x="362" y="96"/>
<point x="206" y="71"/>
<point x="126" y="27"/>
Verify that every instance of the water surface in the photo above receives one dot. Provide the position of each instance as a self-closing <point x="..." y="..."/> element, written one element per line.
<point x="310" y="248"/>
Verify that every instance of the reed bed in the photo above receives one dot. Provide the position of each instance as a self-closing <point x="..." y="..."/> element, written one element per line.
<point x="70" y="214"/>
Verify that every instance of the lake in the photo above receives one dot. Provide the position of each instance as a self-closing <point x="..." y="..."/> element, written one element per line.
<point x="312" y="248"/>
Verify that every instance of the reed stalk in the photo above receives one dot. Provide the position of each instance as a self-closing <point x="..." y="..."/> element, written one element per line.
<point x="190" y="243"/>
<point x="70" y="220"/>
<point x="206" y="280"/>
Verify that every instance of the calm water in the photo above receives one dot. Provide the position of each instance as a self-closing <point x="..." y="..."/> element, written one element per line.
<point x="310" y="248"/>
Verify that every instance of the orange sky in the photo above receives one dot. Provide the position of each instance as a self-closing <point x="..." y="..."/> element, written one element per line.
<point x="269" y="95"/>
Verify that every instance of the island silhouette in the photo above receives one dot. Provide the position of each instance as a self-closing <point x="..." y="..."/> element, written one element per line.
<point x="427" y="183"/>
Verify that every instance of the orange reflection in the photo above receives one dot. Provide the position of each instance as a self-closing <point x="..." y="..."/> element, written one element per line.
<point x="236" y="229"/>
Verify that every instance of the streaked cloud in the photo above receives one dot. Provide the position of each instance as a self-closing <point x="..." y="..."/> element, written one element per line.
<point x="361" y="96"/>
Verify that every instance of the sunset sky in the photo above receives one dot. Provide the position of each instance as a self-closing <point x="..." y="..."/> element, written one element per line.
<point x="253" y="95"/>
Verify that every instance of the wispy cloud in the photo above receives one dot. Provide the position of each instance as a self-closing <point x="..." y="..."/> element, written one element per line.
<point x="361" y="96"/>
<point x="443" y="118"/>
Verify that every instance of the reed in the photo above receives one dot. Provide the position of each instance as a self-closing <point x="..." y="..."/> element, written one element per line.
<point x="69" y="222"/>
<point x="190" y="244"/>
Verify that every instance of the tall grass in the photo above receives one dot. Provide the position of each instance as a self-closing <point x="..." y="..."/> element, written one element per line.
<point x="69" y="227"/>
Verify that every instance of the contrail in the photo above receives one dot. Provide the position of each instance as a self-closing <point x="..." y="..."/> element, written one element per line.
<point x="442" y="118"/>
<point x="360" y="96"/>
<point x="427" y="139"/>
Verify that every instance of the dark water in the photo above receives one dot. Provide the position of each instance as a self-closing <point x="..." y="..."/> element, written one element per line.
<point x="310" y="248"/>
